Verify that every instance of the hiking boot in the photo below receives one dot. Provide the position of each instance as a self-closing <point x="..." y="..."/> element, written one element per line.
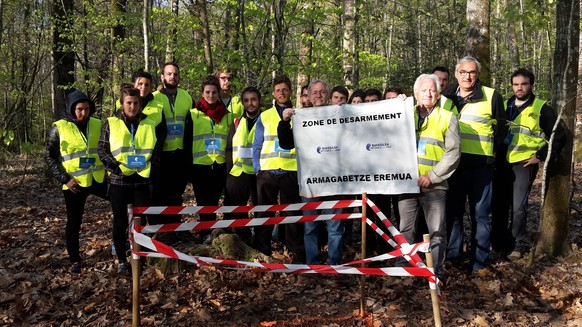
<point x="515" y="255"/>
<point x="124" y="268"/>
<point x="76" y="268"/>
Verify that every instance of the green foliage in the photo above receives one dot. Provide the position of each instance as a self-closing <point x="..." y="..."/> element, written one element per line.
<point x="6" y="137"/>
<point x="395" y="42"/>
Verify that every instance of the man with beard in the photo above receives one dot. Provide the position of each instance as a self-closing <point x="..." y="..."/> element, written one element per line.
<point x="241" y="181"/>
<point x="531" y="122"/>
<point x="172" y="177"/>
<point x="232" y="103"/>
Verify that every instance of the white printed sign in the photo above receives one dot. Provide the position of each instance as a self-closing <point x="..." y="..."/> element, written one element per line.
<point x="355" y="148"/>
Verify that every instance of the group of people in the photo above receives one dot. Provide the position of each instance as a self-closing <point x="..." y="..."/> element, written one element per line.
<point x="471" y="146"/>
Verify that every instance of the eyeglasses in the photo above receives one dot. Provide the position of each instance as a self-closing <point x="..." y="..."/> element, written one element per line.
<point x="471" y="73"/>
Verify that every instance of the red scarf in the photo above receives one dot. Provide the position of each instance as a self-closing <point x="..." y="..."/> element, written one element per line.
<point x="215" y="111"/>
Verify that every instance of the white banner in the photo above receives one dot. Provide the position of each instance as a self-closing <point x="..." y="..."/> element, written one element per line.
<point x="355" y="148"/>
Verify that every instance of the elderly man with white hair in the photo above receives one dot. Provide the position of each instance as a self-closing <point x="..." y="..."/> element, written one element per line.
<point x="438" y="149"/>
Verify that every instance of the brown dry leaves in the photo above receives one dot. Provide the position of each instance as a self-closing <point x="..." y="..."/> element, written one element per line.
<point x="36" y="287"/>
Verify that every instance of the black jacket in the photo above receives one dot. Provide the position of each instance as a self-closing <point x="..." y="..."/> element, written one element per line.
<point x="52" y="155"/>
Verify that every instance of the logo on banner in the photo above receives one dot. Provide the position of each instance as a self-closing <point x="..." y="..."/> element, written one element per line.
<point x="330" y="148"/>
<point x="377" y="146"/>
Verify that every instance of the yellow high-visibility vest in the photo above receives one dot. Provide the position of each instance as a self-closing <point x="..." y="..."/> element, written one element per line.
<point x="431" y="138"/>
<point x="123" y="145"/>
<point x="528" y="137"/>
<point x="242" y="149"/>
<point x="209" y="139"/>
<point x="273" y="157"/>
<point x="476" y="125"/>
<point x="74" y="146"/>
<point x="175" y="116"/>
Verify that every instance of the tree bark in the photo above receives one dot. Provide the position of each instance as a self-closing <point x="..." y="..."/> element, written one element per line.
<point x="349" y="24"/>
<point x="478" y="36"/>
<point x="206" y="37"/>
<point x="63" y="56"/>
<point x="305" y="48"/>
<point x="146" y="43"/>
<point x="118" y="11"/>
<point x="553" y="240"/>
<point x="172" y="37"/>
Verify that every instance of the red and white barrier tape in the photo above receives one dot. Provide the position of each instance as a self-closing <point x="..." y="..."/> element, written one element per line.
<point x="169" y="252"/>
<point x="183" y="210"/>
<point x="246" y="222"/>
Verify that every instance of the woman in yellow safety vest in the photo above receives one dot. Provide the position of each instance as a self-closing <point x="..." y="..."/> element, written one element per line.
<point x="205" y="136"/>
<point x="71" y="156"/>
<point x="129" y="145"/>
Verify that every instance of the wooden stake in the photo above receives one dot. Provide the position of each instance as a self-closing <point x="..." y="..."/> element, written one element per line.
<point x="135" y="271"/>
<point x="363" y="277"/>
<point x="433" y="293"/>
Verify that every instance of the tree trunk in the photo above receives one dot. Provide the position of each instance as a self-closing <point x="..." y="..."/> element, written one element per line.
<point x="63" y="57"/>
<point x="146" y="44"/>
<point x="118" y="10"/>
<point x="553" y="240"/>
<point x="478" y="36"/>
<point x="305" y="48"/>
<point x="206" y="36"/>
<point x="172" y="37"/>
<point x="349" y="25"/>
<point x="512" y="44"/>
<point x="279" y="31"/>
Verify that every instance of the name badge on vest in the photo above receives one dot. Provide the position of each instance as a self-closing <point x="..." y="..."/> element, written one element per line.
<point x="421" y="149"/>
<point x="134" y="161"/>
<point x="212" y="144"/>
<point x="245" y="153"/>
<point x="278" y="148"/>
<point x="86" y="163"/>
<point x="175" y="129"/>
<point x="508" y="139"/>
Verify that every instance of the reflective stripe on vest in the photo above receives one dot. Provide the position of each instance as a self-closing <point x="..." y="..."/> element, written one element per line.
<point x="433" y="137"/>
<point x="73" y="145"/>
<point x="273" y="158"/>
<point x="204" y="131"/>
<point x="242" y="149"/>
<point x="182" y="106"/>
<point x="528" y="136"/>
<point x="475" y="124"/>
<point x="120" y="141"/>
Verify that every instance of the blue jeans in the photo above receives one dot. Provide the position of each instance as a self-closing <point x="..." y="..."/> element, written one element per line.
<point x="335" y="230"/>
<point x="473" y="182"/>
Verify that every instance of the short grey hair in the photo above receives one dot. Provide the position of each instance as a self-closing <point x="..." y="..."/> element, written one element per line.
<point x="468" y="59"/>
<point x="422" y="77"/>
<point x="317" y="81"/>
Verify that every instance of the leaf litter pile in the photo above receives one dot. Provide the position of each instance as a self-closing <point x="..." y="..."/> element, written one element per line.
<point x="38" y="289"/>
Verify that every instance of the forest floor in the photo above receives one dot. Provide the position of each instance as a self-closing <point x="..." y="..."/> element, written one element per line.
<point x="38" y="289"/>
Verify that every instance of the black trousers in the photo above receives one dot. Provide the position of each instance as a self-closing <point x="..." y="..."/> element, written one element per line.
<point x="270" y="189"/>
<point x="120" y="197"/>
<point x="75" y="204"/>
<point x="388" y="204"/>
<point x="238" y="191"/>
<point x="208" y="182"/>
<point x="169" y="182"/>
